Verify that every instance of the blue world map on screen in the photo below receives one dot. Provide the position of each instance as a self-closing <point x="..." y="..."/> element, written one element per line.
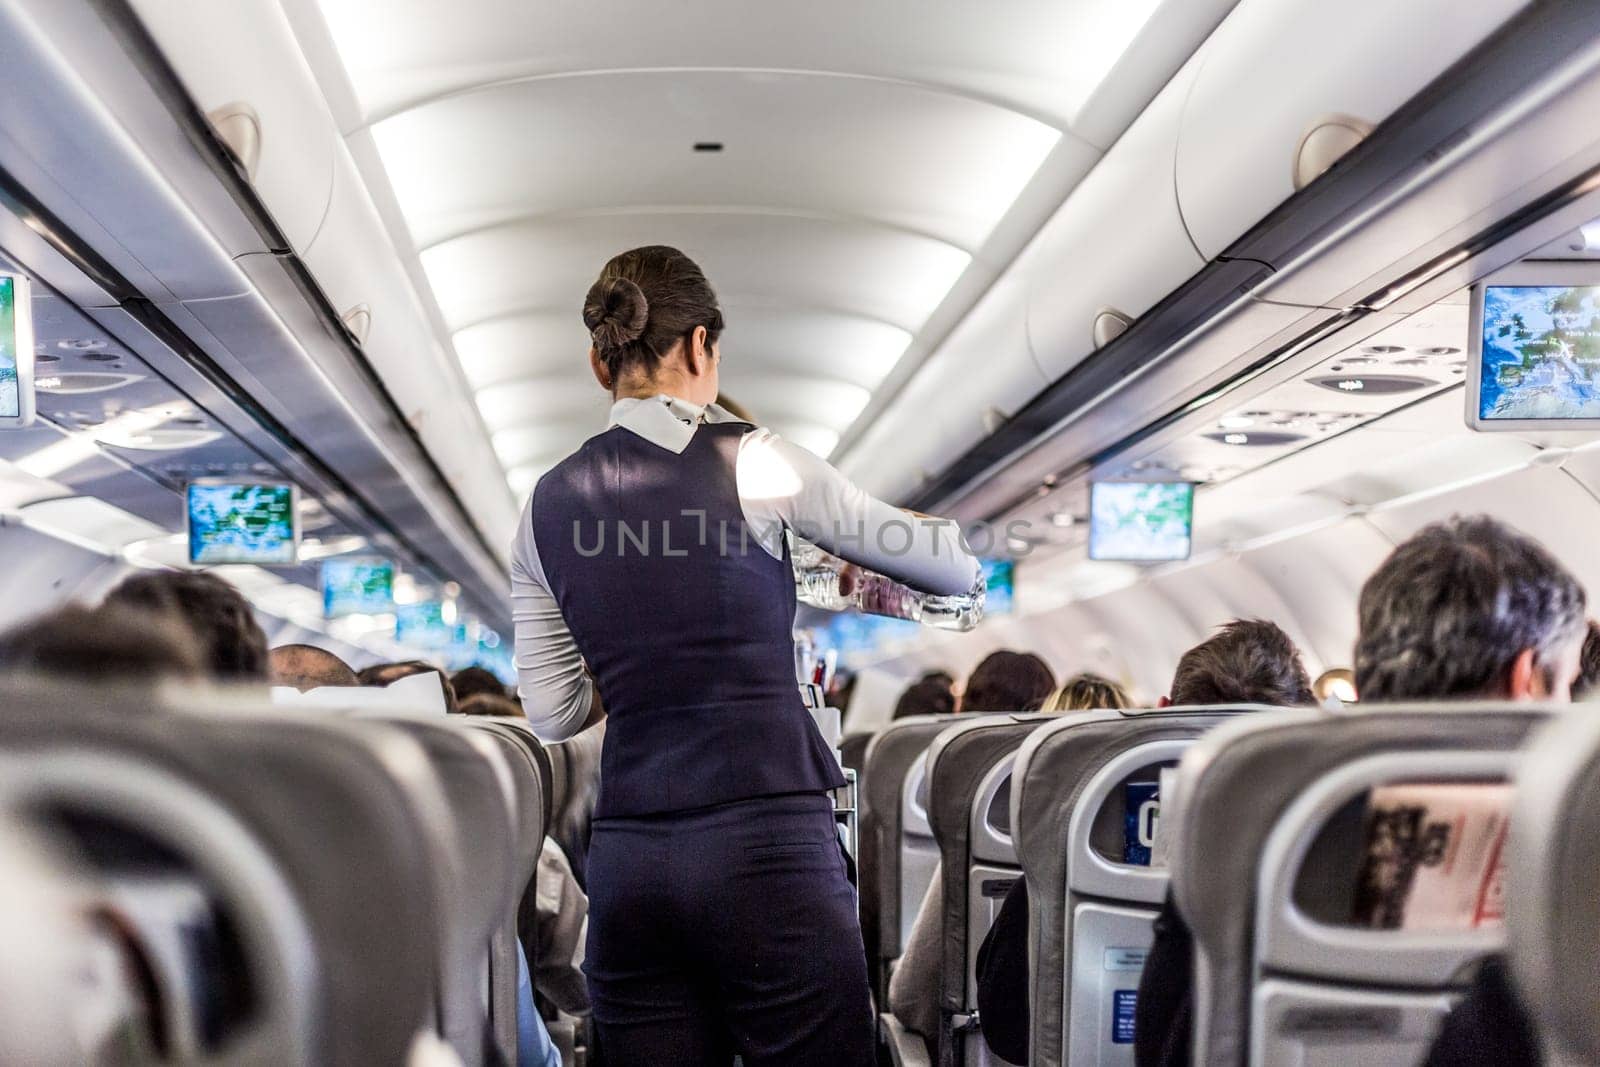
<point x="241" y="524"/>
<point x="1541" y="353"/>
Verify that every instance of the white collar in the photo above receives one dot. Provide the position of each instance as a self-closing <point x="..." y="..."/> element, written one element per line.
<point x="667" y="421"/>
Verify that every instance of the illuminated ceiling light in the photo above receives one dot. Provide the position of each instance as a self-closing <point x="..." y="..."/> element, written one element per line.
<point x="1256" y="439"/>
<point x="1063" y="519"/>
<point x="405" y="589"/>
<point x="81" y="446"/>
<point x="1372" y="384"/>
<point x="1236" y="422"/>
<point x="78" y="383"/>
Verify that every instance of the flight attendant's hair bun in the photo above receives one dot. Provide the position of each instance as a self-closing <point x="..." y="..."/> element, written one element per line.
<point x="616" y="313"/>
<point x="646" y="302"/>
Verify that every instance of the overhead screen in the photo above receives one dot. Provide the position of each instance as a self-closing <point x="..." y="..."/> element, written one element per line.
<point x="999" y="580"/>
<point x="232" y="522"/>
<point x="1536" y="342"/>
<point x="16" y="352"/>
<point x="1141" y="522"/>
<point x="357" y="587"/>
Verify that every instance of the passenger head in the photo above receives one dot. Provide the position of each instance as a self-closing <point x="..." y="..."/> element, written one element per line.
<point x="105" y="644"/>
<point x="1247" y="662"/>
<point x="1469" y="608"/>
<point x="1588" y="665"/>
<point x="653" y="322"/>
<point x="1008" y="681"/>
<point x="386" y="674"/>
<point x="926" y="696"/>
<point x="1087" y="692"/>
<point x="470" y="681"/>
<point x="220" y="616"/>
<point x="495" y="704"/>
<point x="309" y="667"/>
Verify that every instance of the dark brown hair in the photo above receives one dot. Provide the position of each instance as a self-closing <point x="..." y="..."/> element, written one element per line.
<point x="645" y="301"/>
<point x="220" y="616"/>
<point x="1248" y="662"/>
<point x="104" y="644"/>
<point x="1008" y="681"/>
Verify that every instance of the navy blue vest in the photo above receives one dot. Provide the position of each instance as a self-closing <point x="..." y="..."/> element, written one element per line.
<point x="685" y="621"/>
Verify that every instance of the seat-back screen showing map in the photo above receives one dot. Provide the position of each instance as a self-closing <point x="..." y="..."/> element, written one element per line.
<point x="1541" y="353"/>
<point x="10" y="382"/>
<point x="236" y="523"/>
<point x="1140" y="522"/>
<point x="357" y="587"/>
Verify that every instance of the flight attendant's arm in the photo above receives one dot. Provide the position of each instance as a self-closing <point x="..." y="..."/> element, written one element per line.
<point x="783" y="484"/>
<point x="558" y="696"/>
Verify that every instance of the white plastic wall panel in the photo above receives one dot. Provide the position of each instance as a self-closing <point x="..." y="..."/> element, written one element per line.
<point x="1224" y="590"/>
<point x="353" y="260"/>
<point x="55" y="572"/>
<point x="985" y="370"/>
<point x="1543" y="502"/>
<point x="243" y="51"/>
<point x="1276" y="67"/>
<point x="1117" y="243"/>
<point x="1319" y="575"/>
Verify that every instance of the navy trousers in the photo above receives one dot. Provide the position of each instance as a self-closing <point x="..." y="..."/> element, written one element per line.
<point x="726" y="930"/>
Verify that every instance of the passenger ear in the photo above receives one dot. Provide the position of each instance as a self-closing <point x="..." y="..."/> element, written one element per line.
<point x="1164" y="702"/>
<point x="602" y="373"/>
<point x="1523" y="681"/>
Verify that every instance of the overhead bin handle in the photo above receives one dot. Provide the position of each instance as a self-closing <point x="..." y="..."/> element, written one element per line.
<point x="238" y="127"/>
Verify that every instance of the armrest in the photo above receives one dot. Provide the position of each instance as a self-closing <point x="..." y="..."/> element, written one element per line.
<point x="906" y="1049"/>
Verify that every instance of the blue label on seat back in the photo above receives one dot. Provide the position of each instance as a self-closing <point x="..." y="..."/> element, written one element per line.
<point x="1123" y="1002"/>
<point x="1142" y="802"/>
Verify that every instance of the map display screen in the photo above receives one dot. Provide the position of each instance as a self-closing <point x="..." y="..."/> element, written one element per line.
<point x="10" y="384"/>
<point x="233" y="523"/>
<point x="1541" y="353"/>
<point x="357" y="587"/>
<point x="423" y="626"/>
<point x="999" y="579"/>
<point x="1140" y="522"/>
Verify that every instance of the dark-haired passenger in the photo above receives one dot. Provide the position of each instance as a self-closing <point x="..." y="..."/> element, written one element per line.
<point x="722" y="921"/>
<point x="218" y="614"/>
<point x="1245" y="662"/>
<point x="1471" y="609"/>
<point x="470" y="681"/>
<point x="306" y="667"/>
<point x="108" y="644"/>
<point x="1008" y="681"/>
<point x="932" y="694"/>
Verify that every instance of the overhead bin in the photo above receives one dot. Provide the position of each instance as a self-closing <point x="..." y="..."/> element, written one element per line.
<point x="1117" y="246"/>
<point x="242" y="66"/>
<point x="1282" y="77"/>
<point x="982" y="374"/>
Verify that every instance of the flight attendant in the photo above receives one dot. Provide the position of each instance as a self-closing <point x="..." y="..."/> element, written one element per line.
<point x="650" y="579"/>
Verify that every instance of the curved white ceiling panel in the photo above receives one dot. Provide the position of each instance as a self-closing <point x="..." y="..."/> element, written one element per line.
<point x="899" y="154"/>
<point x="1046" y="57"/>
<point x="849" y="266"/>
<point x="860" y="160"/>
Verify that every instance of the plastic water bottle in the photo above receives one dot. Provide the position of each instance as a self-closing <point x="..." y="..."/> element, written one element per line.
<point x="825" y="581"/>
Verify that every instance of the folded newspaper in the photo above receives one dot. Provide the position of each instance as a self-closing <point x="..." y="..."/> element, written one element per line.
<point x="1434" y="857"/>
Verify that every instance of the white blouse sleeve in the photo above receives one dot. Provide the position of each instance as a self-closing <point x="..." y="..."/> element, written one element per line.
<point x="784" y="485"/>
<point x="555" y="688"/>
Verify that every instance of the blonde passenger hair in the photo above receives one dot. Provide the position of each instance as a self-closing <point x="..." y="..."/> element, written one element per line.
<point x="1088" y="692"/>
